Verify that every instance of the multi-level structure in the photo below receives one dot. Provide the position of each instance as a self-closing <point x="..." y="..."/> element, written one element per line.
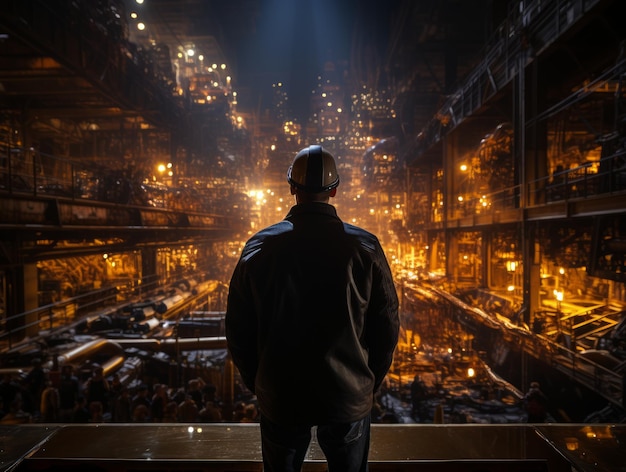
<point x="516" y="190"/>
<point x="512" y="193"/>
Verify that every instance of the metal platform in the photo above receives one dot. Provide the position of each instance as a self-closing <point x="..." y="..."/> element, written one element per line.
<point x="236" y="447"/>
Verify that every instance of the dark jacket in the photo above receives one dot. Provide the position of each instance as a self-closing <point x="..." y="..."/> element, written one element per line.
<point x="312" y="319"/>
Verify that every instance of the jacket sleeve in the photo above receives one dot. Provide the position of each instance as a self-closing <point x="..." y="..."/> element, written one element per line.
<point x="383" y="322"/>
<point x="241" y="328"/>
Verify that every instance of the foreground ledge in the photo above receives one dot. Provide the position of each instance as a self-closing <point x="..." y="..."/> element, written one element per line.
<point x="236" y="447"/>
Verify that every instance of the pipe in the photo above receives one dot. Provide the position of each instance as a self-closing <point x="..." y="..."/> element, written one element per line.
<point x="112" y="365"/>
<point x="143" y="344"/>
<point x="148" y="325"/>
<point x="172" y="345"/>
<point x="97" y="345"/>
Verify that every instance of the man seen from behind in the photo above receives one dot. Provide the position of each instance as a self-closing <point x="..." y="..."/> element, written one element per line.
<point x="312" y="324"/>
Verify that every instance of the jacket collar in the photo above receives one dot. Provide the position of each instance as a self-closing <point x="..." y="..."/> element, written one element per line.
<point x="315" y="207"/>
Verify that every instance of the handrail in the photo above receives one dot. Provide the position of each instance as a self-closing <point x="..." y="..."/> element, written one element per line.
<point x="606" y="382"/>
<point x="59" y="314"/>
<point x="23" y="173"/>
<point x="580" y="182"/>
<point x="505" y="53"/>
<point x="55" y="318"/>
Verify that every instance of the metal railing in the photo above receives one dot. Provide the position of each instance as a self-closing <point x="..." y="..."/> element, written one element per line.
<point x="584" y="181"/>
<point x="536" y="25"/>
<point x="57" y="316"/>
<point x="597" y="377"/>
<point x="60" y="316"/>
<point x="43" y="189"/>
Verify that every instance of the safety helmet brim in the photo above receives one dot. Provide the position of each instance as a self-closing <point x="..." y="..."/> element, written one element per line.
<point x="313" y="170"/>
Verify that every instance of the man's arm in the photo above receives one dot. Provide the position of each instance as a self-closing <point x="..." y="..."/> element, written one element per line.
<point x="383" y="321"/>
<point x="241" y="329"/>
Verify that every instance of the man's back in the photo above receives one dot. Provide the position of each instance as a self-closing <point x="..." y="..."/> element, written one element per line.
<point x="320" y="313"/>
<point x="312" y="324"/>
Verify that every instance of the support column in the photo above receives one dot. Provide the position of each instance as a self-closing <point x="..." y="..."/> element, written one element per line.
<point x="450" y="239"/>
<point x="148" y="266"/>
<point x="13" y="301"/>
<point x="534" y="282"/>
<point x="30" y="298"/>
<point x="537" y="167"/>
<point x="452" y="256"/>
<point x="22" y="288"/>
<point x="433" y="250"/>
<point x="485" y="276"/>
<point x="535" y="171"/>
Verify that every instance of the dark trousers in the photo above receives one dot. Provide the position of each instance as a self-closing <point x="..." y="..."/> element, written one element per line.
<point x="346" y="445"/>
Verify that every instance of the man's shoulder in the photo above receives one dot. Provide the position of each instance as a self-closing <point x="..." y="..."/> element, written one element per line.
<point x="269" y="232"/>
<point x="363" y="235"/>
<point x="350" y="228"/>
<point x="261" y="238"/>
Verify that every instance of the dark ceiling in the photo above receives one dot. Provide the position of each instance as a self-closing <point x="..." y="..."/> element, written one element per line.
<point x="214" y="27"/>
<point x="64" y="60"/>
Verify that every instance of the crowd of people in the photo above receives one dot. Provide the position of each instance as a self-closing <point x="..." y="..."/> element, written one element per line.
<point x="48" y="396"/>
<point x="59" y="396"/>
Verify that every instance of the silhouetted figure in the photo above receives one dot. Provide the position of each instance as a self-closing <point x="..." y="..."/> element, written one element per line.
<point x="98" y="389"/>
<point x="81" y="412"/>
<point x="141" y="414"/>
<point x="194" y="390"/>
<point x="418" y="397"/>
<point x="211" y="413"/>
<point x="9" y="389"/>
<point x="34" y="383"/>
<point x="16" y="415"/>
<point x="141" y="398"/>
<point x="170" y="414"/>
<point x="188" y="410"/>
<point x="50" y="404"/>
<point x="122" y="410"/>
<point x="536" y="404"/>
<point x="69" y="390"/>
<point x="158" y="402"/>
<point x="312" y="323"/>
<point x="96" y="412"/>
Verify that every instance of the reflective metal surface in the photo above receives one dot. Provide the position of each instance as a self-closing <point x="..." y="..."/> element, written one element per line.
<point x="598" y="447"/>
<point x="154" y="442"/>
<point x="237" y="447"/>
<point x="17" y="441"/>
